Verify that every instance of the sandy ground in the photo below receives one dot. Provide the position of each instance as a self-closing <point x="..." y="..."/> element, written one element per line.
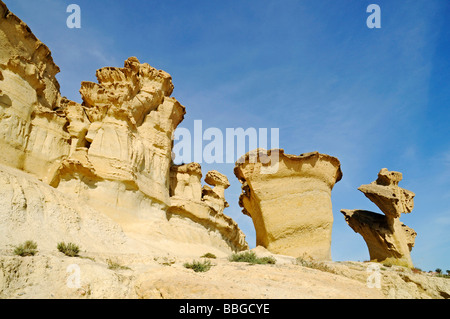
<point x="52" y="275"/>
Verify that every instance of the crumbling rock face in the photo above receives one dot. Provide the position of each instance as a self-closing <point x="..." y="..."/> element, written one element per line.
<point x="113" y="152"/>
<point x="126" y="132"/>
<point x="288" y="198"/>
<point x="32" y="133"/>
<point x="205" y="205"/>
<point x="387" y="238"/>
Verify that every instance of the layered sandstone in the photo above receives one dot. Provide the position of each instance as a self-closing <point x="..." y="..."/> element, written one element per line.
<point x="112" y="152"/>
<point x="386" y="237"/>
<point x="288" y="198"/>
<point x="33" y="137"/>
<point x="204" y="205"/>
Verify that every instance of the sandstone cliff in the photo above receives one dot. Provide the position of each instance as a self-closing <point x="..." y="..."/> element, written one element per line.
<point x="112" y="154"/>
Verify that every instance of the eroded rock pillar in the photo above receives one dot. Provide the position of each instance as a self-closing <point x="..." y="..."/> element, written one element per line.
<point x="387" y="239"/>
<point x="288" y="198"/>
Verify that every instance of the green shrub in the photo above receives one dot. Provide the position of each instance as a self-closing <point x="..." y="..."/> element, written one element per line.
<point x="29" y="248"/>
<point x="209" y="255"/>
<point x="440" y="273"/>
<point x="251" y="258"/>
<point x="69" y="249"/>
<point x="266" y="260"/>
<point x="199" y="266"/>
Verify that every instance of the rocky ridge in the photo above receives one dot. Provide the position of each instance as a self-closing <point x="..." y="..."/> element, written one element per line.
<point x="112" y="155"/>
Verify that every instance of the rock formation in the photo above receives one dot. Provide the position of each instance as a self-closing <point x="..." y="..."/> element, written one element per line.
<point x="113" y="152"/>
<point x="387" y="238"/>
<point x="204" y="205"/>
<point x="288" y="198"/>
<point x="33" y="136"/>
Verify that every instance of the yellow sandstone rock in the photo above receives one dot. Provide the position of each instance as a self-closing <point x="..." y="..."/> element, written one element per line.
<point x="112" y="153"/>
<point x="388" y="239"/>
<point x="291" y="205"/>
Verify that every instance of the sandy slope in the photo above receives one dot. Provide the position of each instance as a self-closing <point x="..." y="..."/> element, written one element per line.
<point x="47" y="275"/>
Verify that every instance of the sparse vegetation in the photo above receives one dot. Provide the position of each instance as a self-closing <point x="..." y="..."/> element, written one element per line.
<point x="440" y="273"/>
<point x="251" y="258"/>
<point x="29" y="248"/>
<point x="69" y="249"/>
<point x="113" y="265"/>
<point x="88" y="257"/>
<point x="209" y="255"/>
<point x="165" y="261"/>
<point x="199" y="266"/>
<point x="314" y="265"/>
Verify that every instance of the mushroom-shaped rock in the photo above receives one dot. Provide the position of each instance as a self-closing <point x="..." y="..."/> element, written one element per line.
<point x="387" y="195"/>
<point x="219" y="181"/>
<point x="288" y="198"/>
<point x="214" y="178"/>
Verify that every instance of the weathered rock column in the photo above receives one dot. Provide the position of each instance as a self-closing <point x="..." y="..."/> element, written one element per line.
<point x="215" y="197"/>
<point x="289" y="199"/>
<point x="386" y="237"/>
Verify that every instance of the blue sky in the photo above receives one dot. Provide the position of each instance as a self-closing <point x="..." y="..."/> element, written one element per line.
<point x="373" y="98"/>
